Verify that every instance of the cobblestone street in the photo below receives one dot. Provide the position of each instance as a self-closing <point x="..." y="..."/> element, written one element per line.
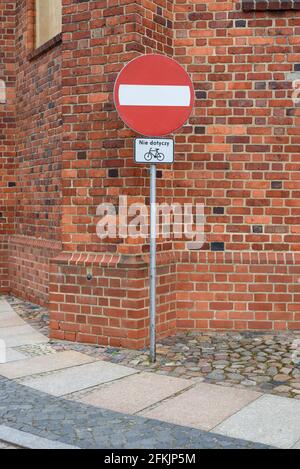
<point x="268" y="363"/>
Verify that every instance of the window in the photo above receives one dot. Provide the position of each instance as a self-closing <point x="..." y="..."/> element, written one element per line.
<point x="48" y="20"/>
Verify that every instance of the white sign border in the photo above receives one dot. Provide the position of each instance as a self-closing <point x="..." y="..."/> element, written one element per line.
<point x="153" y="161"/>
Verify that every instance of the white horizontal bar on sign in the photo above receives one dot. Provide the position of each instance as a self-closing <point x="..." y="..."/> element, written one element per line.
<point x="154" y="95"/>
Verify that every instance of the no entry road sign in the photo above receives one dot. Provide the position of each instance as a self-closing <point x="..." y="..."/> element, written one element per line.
<point x="154" y="95"/>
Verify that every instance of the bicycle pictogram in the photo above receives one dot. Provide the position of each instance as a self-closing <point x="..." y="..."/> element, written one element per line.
<point x="154" y="153"/>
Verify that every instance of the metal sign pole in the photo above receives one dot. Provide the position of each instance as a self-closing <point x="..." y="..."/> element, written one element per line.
<point x="153" y="263"/>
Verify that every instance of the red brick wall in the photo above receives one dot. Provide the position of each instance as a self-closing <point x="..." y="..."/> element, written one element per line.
<point x="38" y="161"/>
<point x="111" y="308"/>
<point x="240" y="157"/>
<point x="98" y="39"/>
<point x="29" y="267"/>
<point x="7" y="135"/>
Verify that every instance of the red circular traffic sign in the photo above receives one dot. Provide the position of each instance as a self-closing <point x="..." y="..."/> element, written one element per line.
<point x="154" y="95"/>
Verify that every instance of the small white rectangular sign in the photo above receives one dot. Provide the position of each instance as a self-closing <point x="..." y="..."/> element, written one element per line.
<point x="154" y="150"/>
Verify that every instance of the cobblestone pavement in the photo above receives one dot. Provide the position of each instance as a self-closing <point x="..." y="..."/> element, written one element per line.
<point x="86" y="426"/>
<point x="265" y="362"/>
<point x="36" y="316"/>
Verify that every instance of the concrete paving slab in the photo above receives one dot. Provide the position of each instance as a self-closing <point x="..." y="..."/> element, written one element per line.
<point x="136" y="392"/>
<point x="60" y="383"/>
<point x="16" y="330"/>
<point x="272" y="420"/>
<point x="10" y="319"/>
<point x="14" y="355"/>
<point x="202" y="407"/>
<point x="5" y="307"/>
<point x="44" y="363"/>
<point x="28" y="440"/>
<point x="21" y="335"/>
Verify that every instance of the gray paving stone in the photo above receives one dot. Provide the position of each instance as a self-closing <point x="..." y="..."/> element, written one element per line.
<point x="270" y="420"/>
<point x="10" y="319"/>
<point x="5" y="306"/>
<point x="21" y="335"/>
<point x="28" y="440"/>
<point x="203" y="406"/>
<point x="44" y="363"/>
<point x="134" y="393"/>
<point x="14" y="355"/>
<point x="77" y="378"/>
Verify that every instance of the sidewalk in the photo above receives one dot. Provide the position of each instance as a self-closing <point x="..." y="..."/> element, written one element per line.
<point x="82" y="401"/>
